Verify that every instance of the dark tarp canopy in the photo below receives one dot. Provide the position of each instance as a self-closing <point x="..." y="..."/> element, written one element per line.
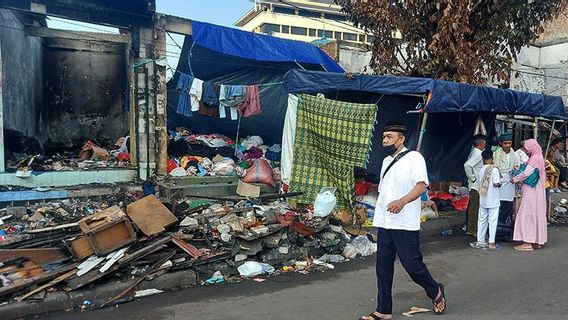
<point x="453" y="110"/>
<point x="446" y="96"/>
<point x="230" y="56"/>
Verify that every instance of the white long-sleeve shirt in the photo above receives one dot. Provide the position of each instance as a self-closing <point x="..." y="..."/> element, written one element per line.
<point x="472" y="166"/>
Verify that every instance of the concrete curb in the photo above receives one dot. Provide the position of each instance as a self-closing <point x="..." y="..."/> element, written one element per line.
<point x="97" y="295"/>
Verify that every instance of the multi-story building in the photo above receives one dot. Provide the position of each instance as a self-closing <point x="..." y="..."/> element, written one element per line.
<point x="302" y="20"/>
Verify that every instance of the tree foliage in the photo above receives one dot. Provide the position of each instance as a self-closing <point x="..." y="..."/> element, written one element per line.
<point x="472" y="41"/>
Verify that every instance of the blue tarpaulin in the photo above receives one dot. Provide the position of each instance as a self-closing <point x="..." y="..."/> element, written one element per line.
<point x="259" y="47"/>
<point x="445" y="96"/>
<point x="230" y="56"/>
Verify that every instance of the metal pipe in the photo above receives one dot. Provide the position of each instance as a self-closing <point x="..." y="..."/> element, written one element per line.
<point x="147" y="94"/>
<point x="422" y="131"/>
<point x="535" y="131"/>
<point x="136" y="124"/>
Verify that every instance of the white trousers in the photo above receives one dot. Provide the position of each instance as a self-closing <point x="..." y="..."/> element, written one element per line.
<point x="487" y="217"/>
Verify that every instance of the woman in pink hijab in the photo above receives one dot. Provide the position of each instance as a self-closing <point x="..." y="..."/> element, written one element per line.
<point x="530" y="221"/>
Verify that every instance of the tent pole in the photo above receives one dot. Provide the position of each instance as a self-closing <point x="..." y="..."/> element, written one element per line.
<point x="549" y="138"/>
<point x="422" y="131"/>
<point x="535" y="129"/>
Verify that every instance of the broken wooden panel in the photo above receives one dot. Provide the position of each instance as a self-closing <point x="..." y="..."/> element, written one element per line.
<point x="47" y="276"/>
<point x="81" y="248"/>
<point x="150" y="215"/>
<point x="106" y="231"/>
<point x="37" y="256"/>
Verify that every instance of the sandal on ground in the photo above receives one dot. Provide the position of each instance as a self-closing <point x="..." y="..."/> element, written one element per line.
<point x="537" y="246"/>
<point x="497" y="248"/>
<point x="521" y="248"/>
<point x="377" y="317"/>
<point x="440" y="299"/>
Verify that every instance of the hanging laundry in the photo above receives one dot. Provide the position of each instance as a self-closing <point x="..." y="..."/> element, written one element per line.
<point x="230" y="96"/>
<point x="183" y="86"/>
<point x="251" y="104"/>
<point x="195" y="94"/>
<point x="209" y="105"/>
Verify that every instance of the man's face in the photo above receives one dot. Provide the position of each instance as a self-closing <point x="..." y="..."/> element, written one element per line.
<point x="506" y="146"/>
<point x="390" y="138"/>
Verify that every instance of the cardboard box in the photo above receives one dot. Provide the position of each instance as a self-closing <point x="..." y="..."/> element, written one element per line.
<point x="247" y="190"/>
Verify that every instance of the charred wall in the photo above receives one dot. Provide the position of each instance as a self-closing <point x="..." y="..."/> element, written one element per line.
<point x="85" y="91"/>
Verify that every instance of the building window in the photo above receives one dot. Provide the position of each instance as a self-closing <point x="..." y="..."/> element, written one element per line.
<point x="299" y="31"/>
<point x="284" y="10"/>
<point x="309" y="14"/>
<point x="324" y="33"/>
<point x="337" y="35"/>
<point x="361" y="38"/>
<point x="312" y="32"/>
<point x="370" y="39"/>
<point x="349" y="36"/>
<point x="285" y="29"/>
<point x="335" y="17"/>
<point x="270" y="28"/>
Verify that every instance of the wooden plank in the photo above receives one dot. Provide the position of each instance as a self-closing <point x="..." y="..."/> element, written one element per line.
<point x="37" y="256"/>
<point x="47" y="285"/>
<point x="150" y="215"/>
<point x="47" y="276"/>
<point x="188" y="248"/>
<point x="81" y="248"/>
<point x="143" y="251"/>
<point x="60" y="227"/>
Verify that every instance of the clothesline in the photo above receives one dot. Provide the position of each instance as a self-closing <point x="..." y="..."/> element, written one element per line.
<point x="254" y="84"/>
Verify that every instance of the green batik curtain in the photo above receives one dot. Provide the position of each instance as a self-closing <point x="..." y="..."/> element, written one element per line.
<point x="332" y="137"/>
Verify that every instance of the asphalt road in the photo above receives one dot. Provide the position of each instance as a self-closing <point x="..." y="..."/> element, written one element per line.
<point x="479" y="285"/>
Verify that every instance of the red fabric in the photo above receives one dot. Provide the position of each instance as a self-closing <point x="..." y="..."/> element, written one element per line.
<point x="171" y="165"/>
<point x="123" y="156"/>
<point x="361" y="188"/>
<point x="461" y="204"/>
<point x="443" y="196"/>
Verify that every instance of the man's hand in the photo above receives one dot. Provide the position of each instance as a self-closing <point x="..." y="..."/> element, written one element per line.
<point x="396" y="206"/>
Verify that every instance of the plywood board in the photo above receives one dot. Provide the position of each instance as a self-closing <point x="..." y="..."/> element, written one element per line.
<point x="81" y="248"/>
<point x="150" y="215"/>
<point x="37" y="256"/>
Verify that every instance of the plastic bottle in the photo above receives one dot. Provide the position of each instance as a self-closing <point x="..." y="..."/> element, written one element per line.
<point x="447" y="232"/>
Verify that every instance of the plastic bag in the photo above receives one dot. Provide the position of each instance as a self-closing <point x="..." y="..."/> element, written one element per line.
<point x="253" y="269"/>
<point x="259" y="172"/>
<point x="178" y="172"/>
<point x="364" y="246"/>
<point x="349" y="251"/>
<point x="325" y="202"/>
<point x="224" y="168"/>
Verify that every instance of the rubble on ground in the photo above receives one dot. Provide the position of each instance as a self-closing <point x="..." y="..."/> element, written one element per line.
<point x="72" y="244"/>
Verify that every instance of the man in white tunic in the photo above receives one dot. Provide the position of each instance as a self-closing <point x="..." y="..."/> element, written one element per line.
<point x="506" y="159"/>
<point x="397" y="217"/>
<point x="471" y="167"/>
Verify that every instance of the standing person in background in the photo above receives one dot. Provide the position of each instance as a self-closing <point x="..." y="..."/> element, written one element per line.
<point x="489" y="179"/>
<point x="530" y="222"/>
<point x="556" y="157"/>
<point x="472" y="165"/>
<point x="506" y="160"/>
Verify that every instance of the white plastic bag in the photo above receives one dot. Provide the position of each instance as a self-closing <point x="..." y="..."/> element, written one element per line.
<point x="364" y="246"/>
<point x="325" y="202"/>
<point x="224" y="168"/>
<point x="253" y="269"/>
<point x="178" y="172"/>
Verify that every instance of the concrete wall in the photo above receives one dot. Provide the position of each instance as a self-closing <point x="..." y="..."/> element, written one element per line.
<point x="86" y="82"/>
<point x="543" y="68"/>
<point x="22" y="78"/>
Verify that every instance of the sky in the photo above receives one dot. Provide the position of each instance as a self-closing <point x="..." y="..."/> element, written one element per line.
<point x="221" y="12"/>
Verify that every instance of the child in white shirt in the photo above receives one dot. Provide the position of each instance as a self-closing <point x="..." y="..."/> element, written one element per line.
<point x="489" y="179"/>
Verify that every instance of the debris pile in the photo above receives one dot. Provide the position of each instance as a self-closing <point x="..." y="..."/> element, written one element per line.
<point x="68" y="245"/>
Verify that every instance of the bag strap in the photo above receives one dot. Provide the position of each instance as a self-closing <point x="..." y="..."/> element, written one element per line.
<point x="398" y="157"/>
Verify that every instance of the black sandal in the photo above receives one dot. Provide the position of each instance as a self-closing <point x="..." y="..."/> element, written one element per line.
<point x="376" y="317"/>
<point x="436" y="302"/>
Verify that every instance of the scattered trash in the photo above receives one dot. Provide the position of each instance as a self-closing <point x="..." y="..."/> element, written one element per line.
<point x="447" y="232"/>
<point x="363" y="246"/>
<point x="259" y="280"/>
<point x="146" y="293"/>
<point x="325" y="202"/>
<point x="252" y="269"/>
<point x="415" y="310"/>
<point x="216" y="278"/>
